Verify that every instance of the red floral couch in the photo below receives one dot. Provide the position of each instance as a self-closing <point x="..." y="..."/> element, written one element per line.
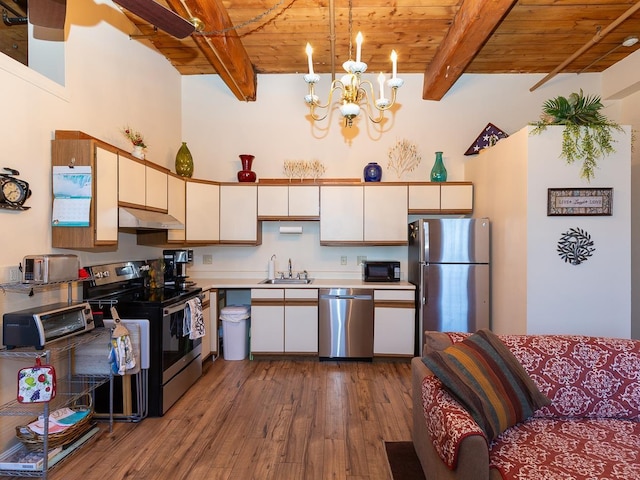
<point x="591" y="429"/>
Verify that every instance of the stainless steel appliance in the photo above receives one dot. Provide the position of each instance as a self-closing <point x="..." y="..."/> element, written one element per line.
<point x="381" y="271"/>
<point x="175" y="267"/>
<point x="449" y="265"/>
<point x="37" y="326"/>
<point x="345" y="323"/>
<point x="49" y="268"/>
<point x="174" y="359"/>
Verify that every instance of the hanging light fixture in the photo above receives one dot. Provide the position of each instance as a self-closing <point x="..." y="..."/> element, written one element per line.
<point x="355" y="93"/>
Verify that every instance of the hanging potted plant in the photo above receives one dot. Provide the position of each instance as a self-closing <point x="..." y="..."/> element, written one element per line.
<point x="588" y="134"/>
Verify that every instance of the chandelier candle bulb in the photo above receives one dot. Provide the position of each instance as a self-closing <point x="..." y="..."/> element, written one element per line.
<point x="394" y="63"/>
<point x="309" y="53"/>
<point x="381" y="83"/>
<point x="358" y="46"/>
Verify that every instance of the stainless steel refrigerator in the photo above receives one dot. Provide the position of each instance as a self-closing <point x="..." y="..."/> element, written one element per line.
<point x="449" y="265"/>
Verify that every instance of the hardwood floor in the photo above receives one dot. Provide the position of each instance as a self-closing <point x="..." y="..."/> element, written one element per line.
<point x="263" y="419"/>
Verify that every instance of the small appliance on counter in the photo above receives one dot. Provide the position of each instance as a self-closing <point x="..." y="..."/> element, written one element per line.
<point x="49" y="268"/>
<point x="381" y="271"/>
<point x="35" y="327"/>
<point x="175" y="268"/>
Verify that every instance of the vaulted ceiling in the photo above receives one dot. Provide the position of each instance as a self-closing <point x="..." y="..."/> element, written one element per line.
<point x="441" y="39"/>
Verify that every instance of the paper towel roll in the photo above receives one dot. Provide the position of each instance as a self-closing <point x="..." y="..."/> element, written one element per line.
<point x="295" y="229"/>
<point x="272" y="269"/>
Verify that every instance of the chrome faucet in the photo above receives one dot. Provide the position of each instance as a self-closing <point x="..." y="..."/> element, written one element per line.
<point x="290" y="271"/>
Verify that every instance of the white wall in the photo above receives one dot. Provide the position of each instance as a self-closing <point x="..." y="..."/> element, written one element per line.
<point x="274" y="128"/>
<point x="534" y="290"/>
<point x="110" y="81"/>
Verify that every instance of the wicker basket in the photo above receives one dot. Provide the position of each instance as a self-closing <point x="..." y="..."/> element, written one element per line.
<point x="35" y="441"/>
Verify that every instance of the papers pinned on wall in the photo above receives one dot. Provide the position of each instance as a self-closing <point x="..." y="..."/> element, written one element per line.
<point x="71" y="196"/>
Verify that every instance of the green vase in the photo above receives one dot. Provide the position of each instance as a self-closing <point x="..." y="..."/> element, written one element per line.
<point x="184" y="161"/>
<point x="438" y="172"/>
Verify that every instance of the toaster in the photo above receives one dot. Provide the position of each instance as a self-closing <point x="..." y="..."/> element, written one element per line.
<point x="49" y="268"/>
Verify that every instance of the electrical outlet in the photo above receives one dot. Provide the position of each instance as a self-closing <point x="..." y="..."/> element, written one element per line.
<point x="207" y="259"/>
<point x="14" y="274"/>
<point x="343" y="260"/>
<point x="362" y="259"/>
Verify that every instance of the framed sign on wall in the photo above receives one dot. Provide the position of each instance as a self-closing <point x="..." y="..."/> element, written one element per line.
<point x="579" y="201"/>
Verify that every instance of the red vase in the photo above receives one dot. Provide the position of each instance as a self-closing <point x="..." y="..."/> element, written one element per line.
<point x="246" y="174"/>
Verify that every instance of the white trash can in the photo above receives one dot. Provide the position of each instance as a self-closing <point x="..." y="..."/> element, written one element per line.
<point x="235" y="331"/>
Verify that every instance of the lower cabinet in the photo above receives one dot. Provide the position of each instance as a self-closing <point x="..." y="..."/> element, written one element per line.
<point x="206" y="315"/>
<point x="301" y="320"/>
<point x="284" y="320"/>
<point x="267" y="320"/>
<point x="394" y="323"/>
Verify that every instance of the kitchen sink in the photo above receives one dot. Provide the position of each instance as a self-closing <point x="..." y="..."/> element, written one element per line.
<point x="289" y="281"/>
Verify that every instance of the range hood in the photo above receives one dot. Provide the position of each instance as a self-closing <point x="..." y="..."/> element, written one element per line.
<point x="147" y="220"/>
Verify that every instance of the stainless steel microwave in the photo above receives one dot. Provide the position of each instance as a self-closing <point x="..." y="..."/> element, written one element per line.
<point x="381" y="271"/>
<point x="38" y="326"/>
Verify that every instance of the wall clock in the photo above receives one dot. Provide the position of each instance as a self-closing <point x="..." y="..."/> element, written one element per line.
<point x="13" y="191"/>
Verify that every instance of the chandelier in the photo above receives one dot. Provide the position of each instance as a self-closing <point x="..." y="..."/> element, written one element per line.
<point x="355" y="93"/>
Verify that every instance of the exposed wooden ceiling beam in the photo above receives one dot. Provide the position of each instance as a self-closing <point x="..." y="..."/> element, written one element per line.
<point x="224" y="50"/>
<point x="473" y="24"/>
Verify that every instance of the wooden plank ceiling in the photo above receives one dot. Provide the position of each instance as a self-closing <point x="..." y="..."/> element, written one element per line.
<point x="440" y="38"/>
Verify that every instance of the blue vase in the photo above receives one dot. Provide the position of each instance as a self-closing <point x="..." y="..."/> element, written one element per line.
<point x="438" y="172"/>
<point x="372" y="172"/>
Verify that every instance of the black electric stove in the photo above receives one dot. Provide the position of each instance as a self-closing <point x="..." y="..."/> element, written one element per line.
<point x="175" y="362"/>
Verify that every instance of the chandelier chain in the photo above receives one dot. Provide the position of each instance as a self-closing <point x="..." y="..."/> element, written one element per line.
<point x="350" y="28"/>
<point x="255" y="19"/>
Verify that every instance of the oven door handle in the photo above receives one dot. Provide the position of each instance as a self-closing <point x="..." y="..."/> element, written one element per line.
<point x="173" y="309"/>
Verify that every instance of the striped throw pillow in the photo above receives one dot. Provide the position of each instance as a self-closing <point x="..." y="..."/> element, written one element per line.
<point x="488" y="381"/>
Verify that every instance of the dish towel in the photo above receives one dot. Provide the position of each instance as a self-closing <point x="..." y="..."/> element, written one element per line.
<point x="121" y="355"/>
<point x="193" y="320"/>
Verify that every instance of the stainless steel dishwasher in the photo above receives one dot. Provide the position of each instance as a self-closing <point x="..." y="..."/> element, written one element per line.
<point x="345" y="323"/>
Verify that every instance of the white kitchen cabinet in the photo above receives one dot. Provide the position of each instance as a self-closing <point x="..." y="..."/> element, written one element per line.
<point x="292" y="202"/>
<point x="456" y="198"/>
<point x="156" y="188"/>
<point x="342" y="214"/>
<point x="441" y="198"/>
<point x="385" y="214"/>
<point x="284" y="321"/>
<point x="267" y="320"/>
<point x="202" y="212"/>
<point x="424" y="197"/>
<point x="177" y="206"/>
<point x="394" y="323"/>
<point x="239" y="214"/>
<point x="301" y="320"/>
<point x="131" y="181"/>
<point x="79" y="149"/>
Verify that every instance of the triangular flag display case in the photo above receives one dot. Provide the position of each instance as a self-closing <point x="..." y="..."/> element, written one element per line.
<point x="489" y="136"/>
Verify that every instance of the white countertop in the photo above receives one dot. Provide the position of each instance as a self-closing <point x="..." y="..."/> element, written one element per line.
<point x="218" y="283"/>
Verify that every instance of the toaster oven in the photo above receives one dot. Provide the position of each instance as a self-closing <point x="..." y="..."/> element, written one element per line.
<point x="35" y="327"/>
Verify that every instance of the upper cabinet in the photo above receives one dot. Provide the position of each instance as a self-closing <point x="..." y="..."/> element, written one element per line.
<point x="78" y="149"/>
<point x="142" y="184"/>
<point x="363" y="214"/>
<point x="239" y="214"/>
<point x="177" y="206"/>
<point x="202" y="221"/>
<point x="441" y="198"/>
<point x="342" y="214"/>
<point x="288" y="202"/>
<point x="156" y="183"/>
<point x="131" y="182"/>
<point x="385" y="214"/>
